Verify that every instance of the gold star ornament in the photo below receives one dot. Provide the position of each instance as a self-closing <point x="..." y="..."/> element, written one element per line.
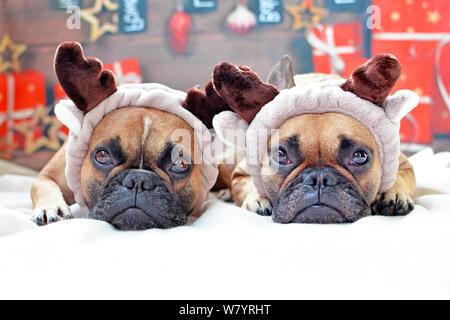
<point x="40" y="117"/>
<point x="9" y="54"/>
<point x="305" y="15"/>
<point x="97" y="28"/>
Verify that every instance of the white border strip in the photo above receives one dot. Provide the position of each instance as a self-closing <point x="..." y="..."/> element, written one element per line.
<point x="410" y="36"/>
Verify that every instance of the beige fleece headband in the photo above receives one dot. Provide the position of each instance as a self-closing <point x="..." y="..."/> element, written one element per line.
<point x="321" y="97"/>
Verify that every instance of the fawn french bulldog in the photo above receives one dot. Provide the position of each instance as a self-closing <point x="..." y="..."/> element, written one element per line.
<point x="135" y="154"/>
<point x="319" y="149"/>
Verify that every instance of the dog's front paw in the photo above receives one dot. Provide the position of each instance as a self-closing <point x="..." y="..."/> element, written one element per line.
<point x="392" y="203"/>
<point x="49" y="213"/>
<point x="224" y="195"/>
<point x="260" y="205"/>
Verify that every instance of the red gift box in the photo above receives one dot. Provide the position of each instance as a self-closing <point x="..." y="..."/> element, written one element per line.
<point x="417" y="74"/>
<point x="337" y="49"/>
<point x="440" y="117"/>
<point x="418" y="32"/>
<point x="413" y="16"/>
<point x="125" y="71"/>
<point x="20" y="94"/>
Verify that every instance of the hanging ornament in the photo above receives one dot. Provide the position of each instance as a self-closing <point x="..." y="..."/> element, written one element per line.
<point x="180" y="27"/>
<point x="241" y="19"/>
<point x="267" y="11"/>
<point x="200" y="6"/>
<point x="132" y="15"/>
<point x="65" y="4"/>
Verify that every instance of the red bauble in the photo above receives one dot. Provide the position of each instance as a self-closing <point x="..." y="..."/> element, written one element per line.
<point x="180" y="27"/>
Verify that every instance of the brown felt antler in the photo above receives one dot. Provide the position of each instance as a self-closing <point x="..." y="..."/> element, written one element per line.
<point x="83" y="80"/>
<point x="375" y="79"/>
<point x="242" y="89"/>
<point x="205" y="105"/>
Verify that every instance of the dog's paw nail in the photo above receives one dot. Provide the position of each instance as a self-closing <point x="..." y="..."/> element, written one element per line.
<point x="399" y="205"/>
<point x="410" y="206"/>
<point x="259" y="211"/>
<point x="69" y="216"/>
<point x="391" y="203"/>
<point x="267" y="212"/>
<point x="38" y="220"/>
<point x="51" y="220"/>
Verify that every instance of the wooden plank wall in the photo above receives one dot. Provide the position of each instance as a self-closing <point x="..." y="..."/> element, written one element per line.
<point x="36" y="24"/>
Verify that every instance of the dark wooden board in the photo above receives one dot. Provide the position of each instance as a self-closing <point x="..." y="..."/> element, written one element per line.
<point x="42" y="28"/>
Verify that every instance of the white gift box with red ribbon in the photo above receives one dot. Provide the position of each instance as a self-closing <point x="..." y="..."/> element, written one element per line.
<point x="336" y="49"/>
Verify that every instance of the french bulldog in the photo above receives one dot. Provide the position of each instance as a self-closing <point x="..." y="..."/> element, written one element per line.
<point x="137" y="172"/>
<point x="320" y="167"/>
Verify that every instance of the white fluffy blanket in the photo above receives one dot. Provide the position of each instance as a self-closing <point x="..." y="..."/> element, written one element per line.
<point x="231" y="253"/>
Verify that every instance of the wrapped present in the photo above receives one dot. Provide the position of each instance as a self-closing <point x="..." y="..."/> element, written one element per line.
<point x="419" y="33"/>
<point x="413" y="16"/>
<point x="338" y="41"/>
<point x="21" y="93"/>
<point x="354" y="10"/>
<point x="125" y="71"/>
<point x="417" y="73"/>
<point x="440" y="117"/>
<point x="338" y="48"/>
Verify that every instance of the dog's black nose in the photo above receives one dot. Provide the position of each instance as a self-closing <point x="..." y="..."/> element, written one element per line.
<point x="143" y="180"/>
<point x="321" y="177"/>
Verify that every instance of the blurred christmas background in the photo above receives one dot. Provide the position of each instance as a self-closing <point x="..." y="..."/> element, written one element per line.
<point x="178" y="42"/>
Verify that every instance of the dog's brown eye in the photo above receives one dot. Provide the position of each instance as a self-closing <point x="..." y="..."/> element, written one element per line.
<point x="103" y="157"/>
<point x="359" y="158"/>
<point x="281" y="157"/>
<point x="180" y="166"/>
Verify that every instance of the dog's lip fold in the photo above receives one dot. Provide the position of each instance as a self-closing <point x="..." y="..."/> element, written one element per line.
<point x="148" y="219"/>
<point x="319" y="213"/>
<point x="141" y="220"/>
<point x="154" y="218"/>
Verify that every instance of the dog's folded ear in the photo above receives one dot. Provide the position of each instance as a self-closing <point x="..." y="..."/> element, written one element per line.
<point x="242" y="89"/>
<point x="83" y="80"/>
<point x="399" y="104"/>
<point x="282" y="75"/>
<point x="205" y="105"/>
<point x="375" y="79"/>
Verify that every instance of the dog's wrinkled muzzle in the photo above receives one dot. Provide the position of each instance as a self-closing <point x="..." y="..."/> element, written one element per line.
<point x="320" y="195"/>
<point x="138" y="200"/>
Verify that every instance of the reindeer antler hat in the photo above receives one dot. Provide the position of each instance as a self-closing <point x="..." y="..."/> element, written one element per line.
<point x="260" y="107"/>
<point x="94" y="94"/>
